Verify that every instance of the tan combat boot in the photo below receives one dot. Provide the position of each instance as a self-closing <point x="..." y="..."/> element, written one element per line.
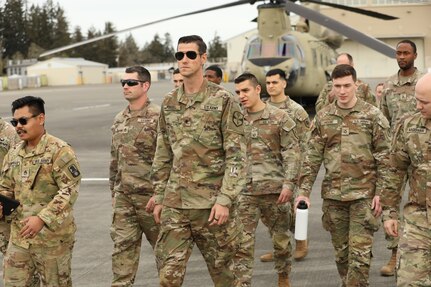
<point x="268" y="257"/>
<point x="283" y="280"/>
<point x="301" y="250"/>
<point x="389" y="268"/>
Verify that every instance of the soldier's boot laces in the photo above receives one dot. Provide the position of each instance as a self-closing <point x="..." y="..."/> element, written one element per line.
<point x="268" y="257"/>
<point x="283" y="280"/>
<point x="389" y="268"/>
<point x="301" y="250"/>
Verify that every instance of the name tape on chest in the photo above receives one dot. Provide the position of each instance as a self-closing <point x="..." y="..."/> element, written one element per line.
<point x="416" y="130"/>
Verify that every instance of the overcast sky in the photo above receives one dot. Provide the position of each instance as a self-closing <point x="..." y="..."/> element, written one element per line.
<point x="226" y="22"/>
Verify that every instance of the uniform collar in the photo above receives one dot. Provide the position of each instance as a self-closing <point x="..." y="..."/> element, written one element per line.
<point x="358" y="107"/>
<point x="263" y="116"/>
<point x="39" y="149"/>
<point x="410" y="80"/>
<point x="198" y="97"/>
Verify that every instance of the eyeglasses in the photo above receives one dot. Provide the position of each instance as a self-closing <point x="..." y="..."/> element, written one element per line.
<point x="130" y="83"/>
<point x="190" y="54"/>
<point x="22" y="121"/>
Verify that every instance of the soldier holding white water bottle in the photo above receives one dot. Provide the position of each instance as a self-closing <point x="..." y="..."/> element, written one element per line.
<point x="351" y="138"/>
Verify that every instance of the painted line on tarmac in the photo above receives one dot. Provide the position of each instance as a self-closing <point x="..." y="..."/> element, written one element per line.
<point x="92" y="107"/>
<point x="95" y="179"/>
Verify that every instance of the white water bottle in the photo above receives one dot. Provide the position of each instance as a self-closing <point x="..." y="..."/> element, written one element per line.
<point x="301" y="221"/>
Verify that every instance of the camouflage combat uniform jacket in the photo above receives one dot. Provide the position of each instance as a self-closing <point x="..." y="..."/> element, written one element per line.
<point x="272" y="152"/>
<point x="354" y="149"/>
<point x="411" y="152"/>
<point x="200" y="155"/>
<point x="297" y="113"/>
<point x="363" y="92"/>
<point x="8" y="138"/>
<point x="46" y="182"/>
<point x="133" y="145"/>
<point x="398" y="98"/>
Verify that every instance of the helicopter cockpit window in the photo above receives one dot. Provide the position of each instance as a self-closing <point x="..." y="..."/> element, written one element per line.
<point x="254" y="49"/>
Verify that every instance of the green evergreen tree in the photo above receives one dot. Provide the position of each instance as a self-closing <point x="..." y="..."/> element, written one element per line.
<point x="216" y="49"/>
<point x="128" y="53"/>
<point x="60" y="28"/>
<point x="153" y="52"/>
<point x="13" y="28"/>
<point x="108" y="50"/>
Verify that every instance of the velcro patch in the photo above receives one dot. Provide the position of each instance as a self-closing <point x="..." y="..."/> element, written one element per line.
<point x="74" y="170"/>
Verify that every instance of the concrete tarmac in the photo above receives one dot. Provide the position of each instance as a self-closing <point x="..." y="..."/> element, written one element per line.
<point x="83" y="116"/>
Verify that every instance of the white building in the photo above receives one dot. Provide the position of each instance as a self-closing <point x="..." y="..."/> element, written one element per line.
<point x="70" y="71"/>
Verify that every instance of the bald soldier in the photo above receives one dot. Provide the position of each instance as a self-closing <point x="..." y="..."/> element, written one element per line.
<point x="363" y="90"/>
<point x="351" y="138"/>
<point x="411" y="153"/>
<point x="398" y="101"/>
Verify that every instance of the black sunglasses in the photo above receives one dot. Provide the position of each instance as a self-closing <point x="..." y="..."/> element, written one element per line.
<point x="22" y="121"/>
<point x="130" y="83"/>
<point x="190" y="54"/>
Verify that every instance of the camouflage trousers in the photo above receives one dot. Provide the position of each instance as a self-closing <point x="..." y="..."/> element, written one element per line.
<point x="4" y="235"/>
<point x="414" y="251"/>
<point x="278" y="220"/>
<point x="51" y="264"/>
<point x="129" y="222"/>
<point x="392" y="242"/>
<point x="352" y="225"/>
<point x="181" y="229"/>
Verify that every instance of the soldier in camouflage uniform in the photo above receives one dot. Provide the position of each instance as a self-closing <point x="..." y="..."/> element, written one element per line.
<point x="411" y="153"/>
<point x="273" y="161"/>
<point x="134" y="135"/>
<point x="199" y="170"/>
<point x="8" y="138"/>
<point x="41" y="172"/>
<point x="351" y="138"/>
<point x="363" y="90"/>
<point x="275" y="85"/>
<point x="398" y="101"/>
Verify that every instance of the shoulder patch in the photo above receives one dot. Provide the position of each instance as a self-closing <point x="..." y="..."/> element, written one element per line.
<point x="74" y="170"/>
<point x="238" y="118"/>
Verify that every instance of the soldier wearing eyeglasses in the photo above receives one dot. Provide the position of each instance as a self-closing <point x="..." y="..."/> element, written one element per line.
<point x="198" y="172"/>
<point x="134" y="135"/>
<point x="43" y="174"/>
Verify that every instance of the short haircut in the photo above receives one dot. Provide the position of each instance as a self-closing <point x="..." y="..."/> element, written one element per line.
<point x="35" y="104"/>
<point x="380" y="84"/>
<point x="348" y="57"/>
<point x="342" y="71"/>
<point x="143" y="74"/>
<point x="176" y="71"/>
<point x="411" y="43"/>
<point x="247" y="76"/>
<point x="216" y="69"/>
<point x="202" y="47"/>
<point x="279" y="72"/>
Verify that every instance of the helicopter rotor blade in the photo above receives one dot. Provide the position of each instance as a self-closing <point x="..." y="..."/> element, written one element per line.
<point x="354" y="9"/>
<point x="74" y="45"/>
<point x="339" y="27"/>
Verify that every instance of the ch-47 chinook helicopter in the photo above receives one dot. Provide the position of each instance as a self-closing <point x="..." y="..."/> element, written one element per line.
<point x="305" y="52"/>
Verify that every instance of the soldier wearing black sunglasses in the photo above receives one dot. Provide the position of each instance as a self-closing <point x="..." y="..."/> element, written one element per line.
<point x="134" y="135"/>
<point x="198" y="172"/>
<point x="43" y="174"/>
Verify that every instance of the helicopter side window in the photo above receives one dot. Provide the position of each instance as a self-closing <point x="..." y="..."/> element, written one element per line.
<point x="254" y="49"/>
